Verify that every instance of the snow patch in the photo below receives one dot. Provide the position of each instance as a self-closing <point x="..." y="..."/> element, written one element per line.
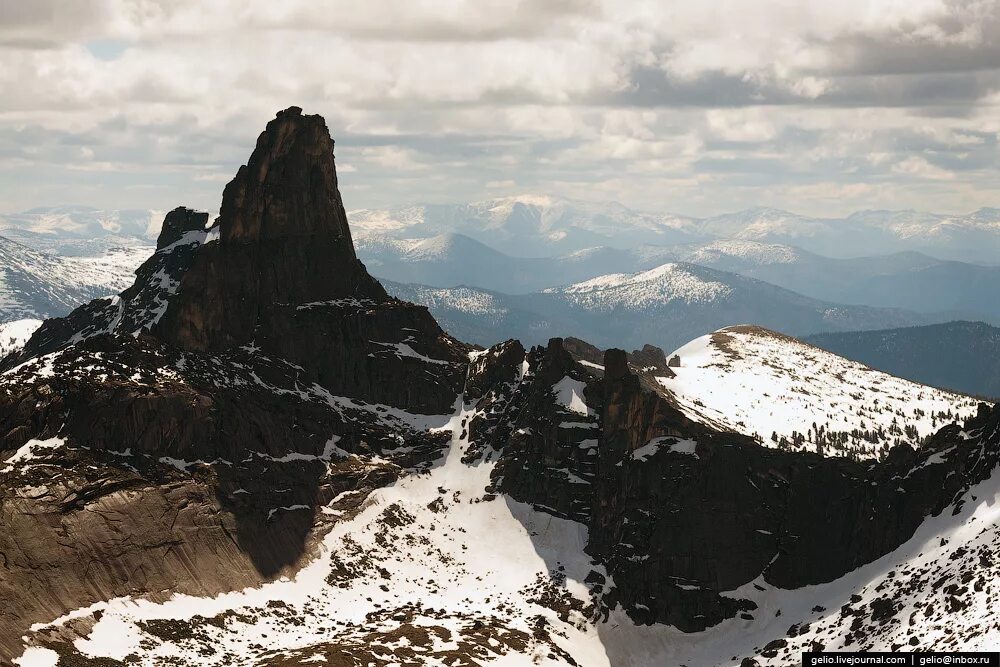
<point x="29" y="451"/>
<point x="670" y="444"/>
<point x="569" y="394"/>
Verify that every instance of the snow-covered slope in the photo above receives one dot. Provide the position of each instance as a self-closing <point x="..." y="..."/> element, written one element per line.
<point x="748" y="252"/>
<point x="432" y="570"/>
<point x="13" y="335"/>
<point x="791" y="394"/>
<point x="36" y="284"/>
<point x="649" y="289"/>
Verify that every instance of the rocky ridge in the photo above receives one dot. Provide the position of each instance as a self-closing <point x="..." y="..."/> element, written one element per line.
<point x="679" y="513"/>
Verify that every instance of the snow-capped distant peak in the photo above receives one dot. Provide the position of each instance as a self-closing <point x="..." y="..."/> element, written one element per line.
<point x="753" y="252"/>
<point x="506" y="203"/>
<point x="791" y="394"/>
<point x="382" y="221"/>
<point x="84" y="222"/>
<point x="659" y="286"/>
<point x="761" y="224"/>
<point x="529" y="225"/>
<point x="435" y="247"/>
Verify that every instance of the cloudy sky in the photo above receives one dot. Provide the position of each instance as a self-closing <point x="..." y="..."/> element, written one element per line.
<point x="694" y="107"/>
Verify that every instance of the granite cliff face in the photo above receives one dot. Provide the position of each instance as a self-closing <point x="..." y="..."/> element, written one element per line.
<point x="256" y="402"/>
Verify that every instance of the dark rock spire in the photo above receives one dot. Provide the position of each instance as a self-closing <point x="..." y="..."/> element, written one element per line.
<point x="284" y="240"/>
<point x="288" y="187"/>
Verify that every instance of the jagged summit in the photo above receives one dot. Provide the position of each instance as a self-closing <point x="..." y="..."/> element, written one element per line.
<point x="283" y="239"/>
<point x="288" y="187"/>
<point x="277" y="272"/>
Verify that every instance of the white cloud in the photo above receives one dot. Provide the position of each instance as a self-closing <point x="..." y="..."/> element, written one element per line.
<point x="741" y="124"/>
<point x="392" y="157"/>
<point x="692" y="106"/>
<point x="921" y="168"/>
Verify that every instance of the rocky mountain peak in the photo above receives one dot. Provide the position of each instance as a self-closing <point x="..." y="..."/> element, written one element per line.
<point x="615" y="364"/>
<point x="288" y="187"/>
<point x="277" y="274"/>
<point x="283" y="241"/>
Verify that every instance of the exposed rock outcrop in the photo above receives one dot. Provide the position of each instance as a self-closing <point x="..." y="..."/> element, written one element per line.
<point x="678" y="513"/>
<point x="179" y="223"/>
<point x="181" y="435"/>
<point x="284" y="278"/>
<point x="549" y="443"/>
<point x="652" y="358"/>
<point x="581" y="350"/>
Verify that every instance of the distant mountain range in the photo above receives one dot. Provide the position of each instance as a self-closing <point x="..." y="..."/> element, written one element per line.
<point x="963" y="356"/>
<point x="530" y="226"/>
<point x="666" y="306"/>
<point x="543" y="226"/>
<point x="81" y="230"/>
<point x="548" y="226"/>
<point x="967" y="237"/>
<point x="907" y="280"/>
<point x="508" y="251"/>
<point x="35" y="284"/>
